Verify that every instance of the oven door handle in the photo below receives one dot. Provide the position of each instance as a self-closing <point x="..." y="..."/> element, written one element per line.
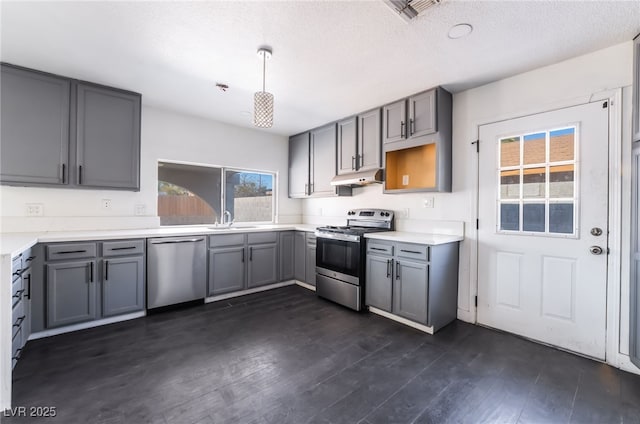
<point x="338" y="236"/>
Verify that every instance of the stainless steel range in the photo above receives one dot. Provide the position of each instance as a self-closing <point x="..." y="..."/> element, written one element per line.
<point x="340" y="256"/>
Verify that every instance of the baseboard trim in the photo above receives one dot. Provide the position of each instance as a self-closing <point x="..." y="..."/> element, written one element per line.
<point x="424" y="328"/>
<point x="85" y="325"/>
<point x="305" y="285"/>
<point x="248" y="291"/>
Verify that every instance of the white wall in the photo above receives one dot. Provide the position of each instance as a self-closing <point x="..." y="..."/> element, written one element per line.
<point x="165" y="135"/>
<point x="566" y="83"/>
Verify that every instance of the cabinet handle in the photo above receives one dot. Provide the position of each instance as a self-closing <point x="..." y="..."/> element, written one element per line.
<point x="353" y="162"/>
<point x="243" y="255"/>
<point x="122" y="248"/>
<point x="412" y="127"/>
<point x="91" y="275"/>
<point x="378" y="248"/>
<point x="17" y="273"/>
<point x="250" y="253"/>
<point x="28" y="295"/>
<point x="30" y="258"/>
<point x="359" y="161"/>
<point x="64" y="173"/>
<point x="18" y="294"/>
<point x="397" y="270"/>
<point x="389" y="266"/>
<point x="66" y="252"/>
<point x="402" y="129"/>
<point x="411" y="251"/>
<point x="18" y="354"/>
<point x="80" y="174"/>
<point x="18" y="322"/>
<point x="106" y="270"/>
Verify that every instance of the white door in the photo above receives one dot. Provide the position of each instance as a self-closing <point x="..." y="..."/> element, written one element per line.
<point x="543" y="194"/>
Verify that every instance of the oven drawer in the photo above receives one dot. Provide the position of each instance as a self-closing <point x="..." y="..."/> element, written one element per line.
<point x="338" y="291"/>
<point x="378" y="248"/>
<point x="412" y="251"/>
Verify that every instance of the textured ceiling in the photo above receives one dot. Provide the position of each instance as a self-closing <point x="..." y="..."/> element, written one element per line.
<point x="330" y="58"/>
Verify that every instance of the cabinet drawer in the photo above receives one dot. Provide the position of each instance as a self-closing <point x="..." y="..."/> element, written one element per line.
<point x="119" y="248"/>
<point x="17" y="317"/>
<point x="257" y="238"/>
<point x="380" y="248"/>
<point x="71" y="251"/>
<point x="412" y="251"/>
<point x="226" y="240"/>
<point x="17" y="290"/>
<point x="16" y="347"/>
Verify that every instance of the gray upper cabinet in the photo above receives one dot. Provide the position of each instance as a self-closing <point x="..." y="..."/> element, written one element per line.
<point x="35" y="127"/>
<point x="299" y="165"/>
<point x="226" y="270"/>
<point x="66" y="133"/>
<point x="123" y="285"/>
<point x="287" y="241"/>
<point x="394" y="122"/>
<point x="379" y="282"/>
<point x="323" y="160"/>
<point x="300" y="256"/>
<point x="347" y="142"/>
<point x="71" y="293"/>
<point x="422" y="114"/>
<point x="108" y="138"/>
<point x="369" y="140"/>
<point x="636" y="89"/>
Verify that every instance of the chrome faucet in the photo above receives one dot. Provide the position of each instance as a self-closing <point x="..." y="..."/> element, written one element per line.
<point x="227" y="219"/>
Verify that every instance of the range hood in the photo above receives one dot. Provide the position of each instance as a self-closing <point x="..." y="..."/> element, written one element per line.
<point x="359" y="178"/>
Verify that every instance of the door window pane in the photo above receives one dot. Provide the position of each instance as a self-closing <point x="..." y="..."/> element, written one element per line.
<point x="534" y="148"/>
<point x="533" y="183"/>
<point x="533" y="217"/>
<point x="510" y="151"/>
<point x="561" y="181"/>
<point x="561" y="218"/>
<point x="510" y="217"/>
<point x="249" y="196"/>
<point x="510" y="184"/>
<point x="561" y="145"/>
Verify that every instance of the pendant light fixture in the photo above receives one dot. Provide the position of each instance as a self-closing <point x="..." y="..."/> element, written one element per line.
<point x="262" y="100"/>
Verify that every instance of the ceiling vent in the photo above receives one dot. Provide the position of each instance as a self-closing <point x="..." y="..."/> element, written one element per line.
<point x="409" y="9"/>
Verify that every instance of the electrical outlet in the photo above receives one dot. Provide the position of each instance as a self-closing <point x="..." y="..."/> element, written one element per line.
<point x="106" y="203"/>
<point x="403" y="213"/>
<point x="35" y="209"/>
<point x="405" y="180"/>
<point x="141" y="209"/>
<point x="429" y="202"/>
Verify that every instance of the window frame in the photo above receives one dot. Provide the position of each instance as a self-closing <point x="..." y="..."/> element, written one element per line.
<point x="547" y="165"/>
<point x="223" y="191"/>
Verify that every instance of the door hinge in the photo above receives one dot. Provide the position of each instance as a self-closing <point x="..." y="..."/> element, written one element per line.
<point x="477" y="143"/>
<point x="605" y="105"/>
<point x="477" y="224"/>
<point x="476" y="301"/>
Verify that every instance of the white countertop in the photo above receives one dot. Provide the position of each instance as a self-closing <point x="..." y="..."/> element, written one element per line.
<point x="421" y="238"/>
<point x="14" y="243"/>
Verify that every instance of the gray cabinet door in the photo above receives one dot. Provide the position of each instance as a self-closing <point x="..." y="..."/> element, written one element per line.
<point x="323" y="159"/>
<point x="379" y="285"/>
<point x="71" y="293"/>
<point x="226" y="270"/>
<point x="636" y="90"/>
<point x="122" y="285"/>
<point x="286" y="255"/>
<point x="310" y="265"/>
<point x="347" y="141"/>
<point x="300" y="256"/>
<point x="422" y="114"/>
<point x="263" y="265"/>
<point x="108" y="138"/>
<point x="369" y="140"/>
<point x="35" y="128"/>
<point x="299" y="165"/>
<point x="410" y="291"/>
<point x="393" y="122"/>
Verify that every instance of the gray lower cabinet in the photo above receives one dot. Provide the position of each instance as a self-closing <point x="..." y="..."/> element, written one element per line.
<point x="123" y="285"/>
<point x="61" y="132"/>
<point x="287" y="264"/>
<point x="263" y="265"/>
<point x="310" y="264"/>
<point x="21" y="287"/>
<point x="414" y="281"/>
<point x="71" y="292"/>
<point x="35" y="127"/>
<point x="300" y="256"/>
<point x="226" y="270"/>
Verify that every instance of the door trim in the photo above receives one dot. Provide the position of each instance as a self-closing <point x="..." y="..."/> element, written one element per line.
<point x="613" y="284"/>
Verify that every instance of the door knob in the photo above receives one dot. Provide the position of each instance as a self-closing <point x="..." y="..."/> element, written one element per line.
<point x="595" y="231"/>
<point x="596" y="250"/>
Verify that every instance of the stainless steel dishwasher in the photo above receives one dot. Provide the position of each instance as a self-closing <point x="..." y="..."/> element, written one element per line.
<point x="176" y="270"/>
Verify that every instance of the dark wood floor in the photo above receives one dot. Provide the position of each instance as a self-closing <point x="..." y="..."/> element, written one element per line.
<point x="285" y="356"/>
